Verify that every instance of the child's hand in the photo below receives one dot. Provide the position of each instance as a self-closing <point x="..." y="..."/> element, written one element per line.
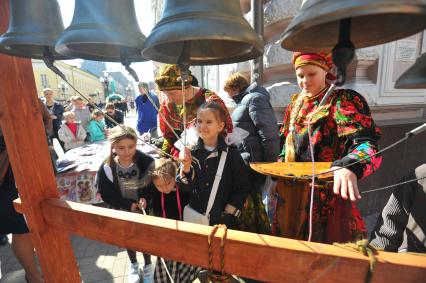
<point x="186" y="158"/>
<point x="142" y="203"/>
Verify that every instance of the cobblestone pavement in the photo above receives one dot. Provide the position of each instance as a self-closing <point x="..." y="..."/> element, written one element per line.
<point x="98" y="262"/>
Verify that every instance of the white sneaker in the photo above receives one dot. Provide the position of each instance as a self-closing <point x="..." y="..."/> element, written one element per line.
<point x="134" y="273"/>
<point x="148" y="273"/>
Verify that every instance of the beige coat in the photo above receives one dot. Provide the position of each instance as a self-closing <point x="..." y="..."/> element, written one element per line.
<point x="68" y="138"/>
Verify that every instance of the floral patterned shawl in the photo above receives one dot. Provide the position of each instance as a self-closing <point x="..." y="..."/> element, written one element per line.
<point x="343" y="131"/>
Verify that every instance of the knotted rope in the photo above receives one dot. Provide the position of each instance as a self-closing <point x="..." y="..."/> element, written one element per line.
<point x="366" y="249"/>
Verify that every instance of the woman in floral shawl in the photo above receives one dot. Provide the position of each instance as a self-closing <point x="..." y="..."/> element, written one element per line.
<point x="169" y="82"/>
<point x="342" y="132"/>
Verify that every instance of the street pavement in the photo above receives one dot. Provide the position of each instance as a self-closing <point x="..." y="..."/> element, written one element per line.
<point x="97" y="261"/>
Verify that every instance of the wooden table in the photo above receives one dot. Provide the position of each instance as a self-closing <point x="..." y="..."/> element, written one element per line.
<point x="78" y="183"/>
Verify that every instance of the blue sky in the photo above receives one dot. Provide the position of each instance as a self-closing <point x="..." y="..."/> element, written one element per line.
<point x="146" y="23"/>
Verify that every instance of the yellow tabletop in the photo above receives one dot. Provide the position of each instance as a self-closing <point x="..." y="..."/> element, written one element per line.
<point x="292" y="170"/>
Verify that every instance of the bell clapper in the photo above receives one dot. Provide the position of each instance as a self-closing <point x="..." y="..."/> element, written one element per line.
<point x="343" y="52"/>
<point x="126" y="61"/>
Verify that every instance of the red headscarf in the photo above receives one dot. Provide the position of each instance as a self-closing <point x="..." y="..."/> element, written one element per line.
<point x="322" y="60"/>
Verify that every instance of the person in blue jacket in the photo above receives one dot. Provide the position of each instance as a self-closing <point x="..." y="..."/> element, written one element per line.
<point x="147" y="114"/>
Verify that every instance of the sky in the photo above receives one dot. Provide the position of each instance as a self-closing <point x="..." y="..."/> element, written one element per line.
<point x="146" y="23"/>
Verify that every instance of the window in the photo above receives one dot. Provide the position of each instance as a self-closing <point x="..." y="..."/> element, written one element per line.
<point x="44" y="81"/>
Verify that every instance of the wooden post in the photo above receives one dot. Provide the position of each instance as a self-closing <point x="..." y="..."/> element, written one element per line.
<point x="21" y="123"/>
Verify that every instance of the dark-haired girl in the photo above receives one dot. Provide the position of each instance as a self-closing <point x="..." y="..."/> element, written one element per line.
<point x="198" y="177"/>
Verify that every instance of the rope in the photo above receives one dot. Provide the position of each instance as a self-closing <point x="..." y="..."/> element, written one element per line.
<point x="215" y="277"/>
<point x="126" y="64"/>
<point x="222" y="249"/>
<point x="161" y="259"/>
<point x="366" y="249"/>
<point x="311" y="149"/>
<point x="49" y="63"/>
<point x="391" y="186"/>
<point x="164" y="118"/>
<point x="365" y="158"/>
<point x="183" y="109"/>
<point x="209" y="242"/>
<point x="311" y="203"/>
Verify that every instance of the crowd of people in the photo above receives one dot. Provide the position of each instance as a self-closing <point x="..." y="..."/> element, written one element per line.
<point x="78" y="122"/>
<point x="210" y="179"/>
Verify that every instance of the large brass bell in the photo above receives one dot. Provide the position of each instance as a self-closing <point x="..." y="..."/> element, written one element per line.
<point x="316" y="27"/>
<point x="202" y="32"/>
<point x="103" y="30"/>
<point x="34" y="26"/>
<point x="415" y="76"/>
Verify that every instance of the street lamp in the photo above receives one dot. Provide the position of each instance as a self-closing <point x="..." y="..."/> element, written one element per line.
<point x="129" y="90"/>
<point x="98" y="95"/>
<point x="63" y="87"/>
<point x="105" y="79"/>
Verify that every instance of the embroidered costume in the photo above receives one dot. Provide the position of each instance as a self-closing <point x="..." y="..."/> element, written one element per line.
<point x="169" y="78"/>
<point x="174" y="115"/>
<point x="343" y="131"/>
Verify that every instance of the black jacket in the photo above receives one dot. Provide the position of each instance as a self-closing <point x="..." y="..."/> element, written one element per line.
<point x="254" y="113"/>
<point x="118" y="117"/>
<point x="153" y="198"/>
<point x="58" y="111"/>
<point x="110" y="189"/>
<point x="233" y="187"/>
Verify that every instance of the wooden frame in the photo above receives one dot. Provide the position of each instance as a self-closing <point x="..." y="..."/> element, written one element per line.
<point x="51" y="220"/>
<point x="263" y="257"/>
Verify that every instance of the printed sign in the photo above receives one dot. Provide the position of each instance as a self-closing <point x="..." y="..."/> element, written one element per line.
<point x="406" y="50"/>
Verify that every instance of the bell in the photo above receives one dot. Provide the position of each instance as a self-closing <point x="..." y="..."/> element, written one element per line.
<point x="33" y="29"/>
<point x="316" y="27"/>
<point x="103" y="30"/>
<point x="202" y="32"/>
<point x="415" y="76"/>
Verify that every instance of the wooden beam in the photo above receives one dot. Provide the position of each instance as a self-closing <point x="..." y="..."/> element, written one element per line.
<point x="21" y="123"/>
<point x="261" y="257"/>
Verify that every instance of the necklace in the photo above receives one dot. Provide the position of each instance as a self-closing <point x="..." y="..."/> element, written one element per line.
<point x="121" y="165"/>
<point x="315" y="96"/>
